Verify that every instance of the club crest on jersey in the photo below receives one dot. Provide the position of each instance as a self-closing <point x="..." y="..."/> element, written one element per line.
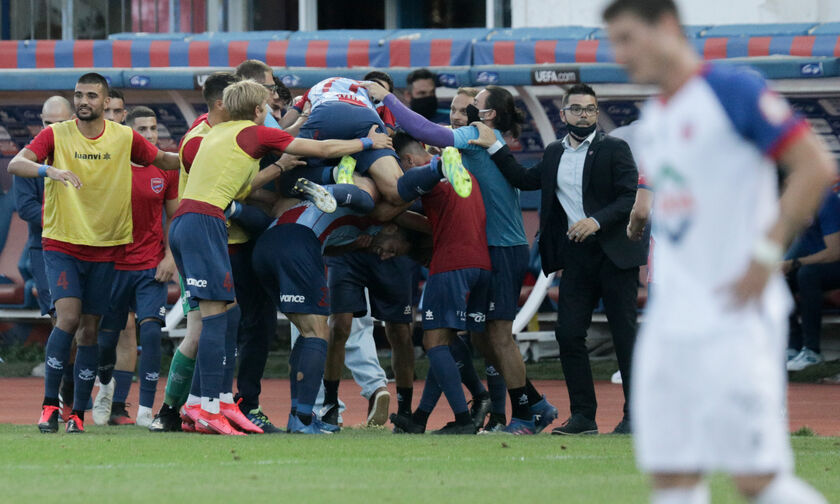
<point x="157" y="184"/>
<point x="675" y="204"/>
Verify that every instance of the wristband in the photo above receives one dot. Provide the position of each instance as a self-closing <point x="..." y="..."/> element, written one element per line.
<point x="42" y="170"/>
<point x="367" y="143"/>
<point x="767" y="253"/>
<point x="497" y="145"/>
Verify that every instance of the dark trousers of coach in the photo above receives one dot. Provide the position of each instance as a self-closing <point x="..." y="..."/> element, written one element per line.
<point x="603" y="266"/>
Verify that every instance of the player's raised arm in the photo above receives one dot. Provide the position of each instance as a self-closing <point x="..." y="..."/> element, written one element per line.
<point x="167" y="160"/>
<point x="338" y="148"/>
<point x="25" y="164"/>
<point x="413" y="123"/>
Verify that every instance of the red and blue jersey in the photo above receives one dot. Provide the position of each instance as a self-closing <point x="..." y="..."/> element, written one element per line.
<point x="151" y="187"/>
<point x="337" y="89"/>
<point x="341" y="227"/>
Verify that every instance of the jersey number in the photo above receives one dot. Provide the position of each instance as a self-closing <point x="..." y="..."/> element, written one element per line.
<point x="62" y="280"/>
<point x="325" y="292"/>
<point x="228" y="284"/>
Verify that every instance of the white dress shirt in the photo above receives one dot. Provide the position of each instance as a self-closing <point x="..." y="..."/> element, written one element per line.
<point x="570" y="179"/>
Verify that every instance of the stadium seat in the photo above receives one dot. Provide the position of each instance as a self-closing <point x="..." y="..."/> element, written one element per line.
<point x="825" y="29"/>
<point x="546" y="33"/>
<point x="757" y="30"/>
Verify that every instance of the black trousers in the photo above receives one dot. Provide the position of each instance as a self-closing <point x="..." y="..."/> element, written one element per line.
<point x="590" y="275"/>
<point x="256" y="326"/>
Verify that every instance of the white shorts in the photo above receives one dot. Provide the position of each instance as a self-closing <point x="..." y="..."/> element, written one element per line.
<point x="712" y="402"/>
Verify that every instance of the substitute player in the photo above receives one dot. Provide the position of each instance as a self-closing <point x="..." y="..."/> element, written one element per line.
<point x="87" y="222"/>
<point x="140" y="279"/>
<point x="709" y="385"/>
<point x="198" y="235"/>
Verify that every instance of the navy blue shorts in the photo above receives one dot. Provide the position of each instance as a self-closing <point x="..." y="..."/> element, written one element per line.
<point x="199" y="246"/>
<point x="455" y="300"/>
<point x="138" y="292"/>
<point x="510" y="264"/>
<point x="86" y="280"/>
<point x="388" y="283"/>
<point x="39" y="275"/>
<point x="344" y="121"/>
<point x="288" y="261"/>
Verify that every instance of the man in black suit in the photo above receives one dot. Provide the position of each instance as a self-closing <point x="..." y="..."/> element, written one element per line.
<point x="588" y="183"/>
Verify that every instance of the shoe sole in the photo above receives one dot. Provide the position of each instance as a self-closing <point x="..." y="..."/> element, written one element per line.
<point x="47" y="429"/>
<point x="455" y="172"/>
<point x="317" y="194"/>
<point x="379" y="413"/>
<point x="582" y="433"/>
<point x="346" y="167"/>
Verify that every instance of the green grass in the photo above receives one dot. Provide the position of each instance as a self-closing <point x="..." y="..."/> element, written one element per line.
<point x="129" y="464"/>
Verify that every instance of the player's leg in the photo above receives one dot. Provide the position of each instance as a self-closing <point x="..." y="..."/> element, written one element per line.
<point x="777" y="488"/>
<point x="463" y="356"/>
<point x="363" y="362"/>
<point x="124" y="371"/>
<point x="340" y="325"/>
<point x="150" y="301"/>
<point x="65" y="288"/>
<point x="109" y="334"/>
<point x="228" y="408"/>
<point x="309" y="368"/>
<point x="679" y="488"/>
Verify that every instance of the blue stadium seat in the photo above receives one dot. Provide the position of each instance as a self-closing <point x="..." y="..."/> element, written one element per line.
<point x="544" y="33"/>
<point x="441" y="33"/>
<point x="758" y="30"/>
<point x="826" y="29"/>
<point x="378" y="35"/>
<point x="691" y="31"/>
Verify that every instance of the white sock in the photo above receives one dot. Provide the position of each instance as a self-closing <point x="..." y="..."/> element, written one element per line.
<point x="144" y="410"/>
<point x="697" y="494"/>
<point x="226" y="397"/>
<point x="788" y="489"/>
<point x="192" y="400"/>
<point x="210" y="405"/>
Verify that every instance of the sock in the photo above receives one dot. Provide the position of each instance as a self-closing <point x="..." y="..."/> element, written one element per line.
<point x="67" y="386"/>
<point x="253" y="220"/>
<point x="57" y="353"/>
<point x="310" y="373"/>
<point x="420" y="180"/>
<point x="179" y="380"/>
<point x="429" y="398"/>
<point x="195" y="388"/>
<point x="498" y="390"/>
<point x="404" y="396"/>
<point x="192" y="400"/>
<point x="463" y="359"/>
<point x="149" y="361"/>
<point x="122" y="384"/>
<point x="698" y="494"/>
<point x="210" y="405"/>
<point x="85" y="374"/>
<point x="232" y="319"/>
<point x="533" y="396"/>
<point x="519" y="403"/>
<point x="354" y="197"/>
<point x="294" y="359"/>
<point x="787" y="488"/>
<point x="446" y="374"/>
<point x="330" y="392"/>
<point x="211" y="355"/>
<point x="107" y="341"/>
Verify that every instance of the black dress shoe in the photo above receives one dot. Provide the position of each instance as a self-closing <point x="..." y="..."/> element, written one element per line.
<point x="575" y="425"/>
<point x="623" y="427"/>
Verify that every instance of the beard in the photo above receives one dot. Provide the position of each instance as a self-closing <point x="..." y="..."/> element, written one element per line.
<point x="91" y="114"/>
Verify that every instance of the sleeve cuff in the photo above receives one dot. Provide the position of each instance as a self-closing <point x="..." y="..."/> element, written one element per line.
<point x="496" y="147"/>
<point x="596" y="222"/>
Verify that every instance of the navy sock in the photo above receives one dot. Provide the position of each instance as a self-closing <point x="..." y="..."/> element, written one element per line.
<point x="533" y="396"/>
<point x="431" y="394"/>
<point x="107" y="342"/>
<point x="195" y="388"/>
<point x="233" y="316"/>
<point x="498" y="390"/>
<point x="251" y="218"/>
<point x="354" y="197"/>
<point x="446" y="374"/>
<point x="85" y="374"/>
<point x="420" y="180"/>
<point x="122" y="384"/>
<point x="294" y="359"/>
<point x="519" y="403"/>
<point x="149" y="361"/>
<point x="211" y="354"/>
<point x="67" y="385"/>
<point x="310" y="371"/>
<point x="57" y="353"/>
<point x="330" y="392"/>
<point x="404" y="396"/>
<point x="463" y="359"/>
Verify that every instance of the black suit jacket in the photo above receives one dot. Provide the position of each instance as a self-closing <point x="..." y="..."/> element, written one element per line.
<point x="610" y="179"/>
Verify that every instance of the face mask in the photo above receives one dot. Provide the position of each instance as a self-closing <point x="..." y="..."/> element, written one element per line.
<point x="581" y="132"/>
<point x="426" y="106"/>
<point x="472" y="114"/>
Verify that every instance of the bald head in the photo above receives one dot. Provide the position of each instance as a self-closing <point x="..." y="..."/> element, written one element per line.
<point x="56" y="109"/>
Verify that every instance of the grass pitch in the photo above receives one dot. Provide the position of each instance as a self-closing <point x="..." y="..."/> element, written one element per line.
<point x="128" y="464"/>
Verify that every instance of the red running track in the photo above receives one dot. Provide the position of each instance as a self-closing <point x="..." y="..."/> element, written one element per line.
<point x="811" y="405"/>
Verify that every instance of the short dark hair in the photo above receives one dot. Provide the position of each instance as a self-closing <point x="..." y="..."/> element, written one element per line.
<point x="377" y="75"/>
<point x="94" y="78"/>
<point x="214" y="86"/>
<point x="508" y="117"/>
<point x="420" y="74"/>
<point x="252" y="69"/>
<point x="116" y="93"/>
<point x="648" y="10"/>
<point x="581" y="88"/>
<point x="137" y="112"/>
<point x="282" y="91"/>
<point x="403" y="141"/>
